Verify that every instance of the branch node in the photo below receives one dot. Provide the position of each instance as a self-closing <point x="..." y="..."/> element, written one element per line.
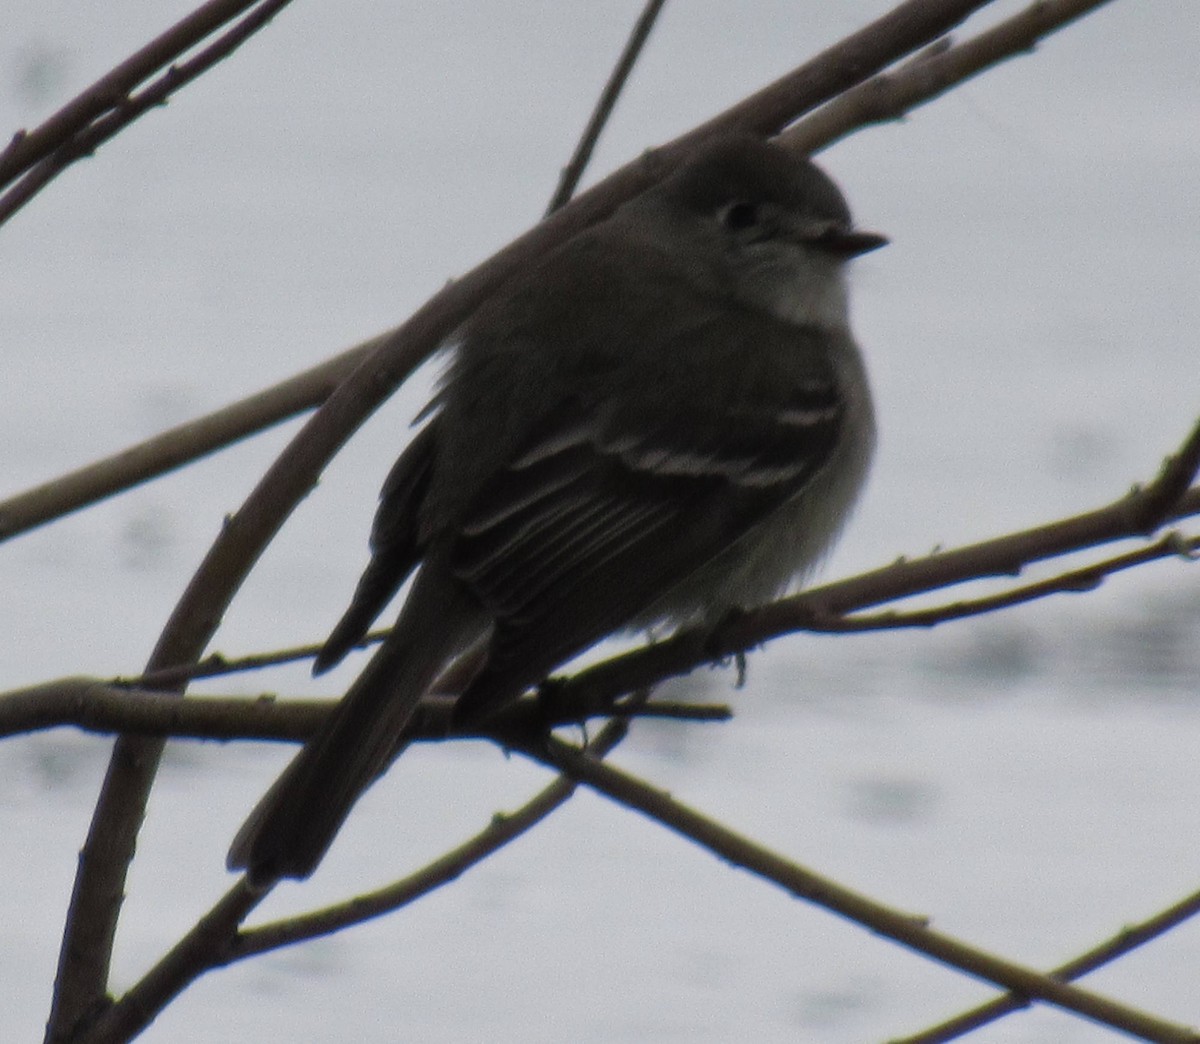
<point x="1184" y="547"/>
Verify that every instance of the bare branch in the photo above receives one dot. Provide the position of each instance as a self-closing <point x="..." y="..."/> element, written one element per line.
<point x="501" y="830"/>
<point x="105" y="707"/>
<point x="1125" y="941"/>
<point x="92" y="919"/>
<point x="216" y="665"/>
<point x="96" y="706"/>
<point x="820" y="608"/>
<point x="204" y="947"/>
<point x="215" y="940"/>
<point x="573" y="171"/>
<point x="175" y="447"/>
<point x="1087" y="578"/>
<point x="892" y="95"/>
<point x="906" y="929"/>
<point x="1161" y="500"/>
<point x="27" y="147"/>
<point x="107" y="107"/>
<point x="191" y="441"/>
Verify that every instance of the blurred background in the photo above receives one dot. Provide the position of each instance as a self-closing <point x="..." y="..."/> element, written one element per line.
<point x="1024" y="779"/>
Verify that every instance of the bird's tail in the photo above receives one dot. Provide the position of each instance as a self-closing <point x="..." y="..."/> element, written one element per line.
<point x="295" y="822"/>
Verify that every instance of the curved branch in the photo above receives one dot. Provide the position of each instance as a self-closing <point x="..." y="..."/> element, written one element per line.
<point x="28" y="147"/>
<point x="188" y="442"/>
<point x="95" y="904"/>
<point x="215" y="940"/>
<point x="148" y="706"/>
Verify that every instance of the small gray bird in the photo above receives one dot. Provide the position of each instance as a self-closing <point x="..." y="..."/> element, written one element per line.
<point x="664" y="419"/>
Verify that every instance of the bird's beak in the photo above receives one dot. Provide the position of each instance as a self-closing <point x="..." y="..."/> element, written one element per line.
<point x="847" y="242"/>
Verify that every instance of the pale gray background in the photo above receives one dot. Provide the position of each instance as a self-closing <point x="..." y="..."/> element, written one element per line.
<point x="1028" y="780"/>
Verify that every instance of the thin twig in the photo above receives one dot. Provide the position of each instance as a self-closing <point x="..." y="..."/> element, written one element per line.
<point x="176" y="447"/>
<point x="216" y="941"/>
<point x="1125" y="941"/>
<point x="29" y="147"/>
<point x="105" y="857"/>
<point x="152" y="458"/>
<point x="502" y="829"/>
<point x="1086" y="578"/>
<point x="573" y="171"/>
<point x="124" y="108"/>
<point x="906" y="929"/>
<point x="893" y="95"/>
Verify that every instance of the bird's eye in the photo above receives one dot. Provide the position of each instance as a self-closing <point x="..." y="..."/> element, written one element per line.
<point x="739" y="215"/>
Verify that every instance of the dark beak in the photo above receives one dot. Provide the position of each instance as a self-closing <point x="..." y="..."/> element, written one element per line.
<point x="848" y="242"/>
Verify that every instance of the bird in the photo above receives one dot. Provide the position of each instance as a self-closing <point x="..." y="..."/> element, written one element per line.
<point x="664" y="420"/>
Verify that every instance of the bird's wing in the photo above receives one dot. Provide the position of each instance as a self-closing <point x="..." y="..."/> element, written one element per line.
<point x="596" y="518"/>
<point x="396" y="546"/>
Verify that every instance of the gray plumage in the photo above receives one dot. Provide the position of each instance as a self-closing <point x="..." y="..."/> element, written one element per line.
<point x="664" y="419"/>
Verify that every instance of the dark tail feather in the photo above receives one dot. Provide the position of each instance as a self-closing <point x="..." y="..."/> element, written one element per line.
<point x="378" y="585"/>
<point x="396" y="545"/>
<point x="294" y="824"/>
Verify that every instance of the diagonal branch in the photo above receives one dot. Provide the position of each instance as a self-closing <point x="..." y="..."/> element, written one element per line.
<point x="1125" y="941"/>
<point x="99" y="885"/>
<point x="816" y="607"/>
<point x="892" y="95"/>
<point x="1086" y="578"/>
<point x="215" y="940"/>
<point x="28" y="147"/>
<point x="175" y="447"/>
<point x="149" y="705"/>
<point x="883" y="98"/>
<point x="201" y="948"/>
<point x="573" y="171"/>
<point x="906" y="929"/>
<point x="501" y="830"/>
<point x="106" y="108"/>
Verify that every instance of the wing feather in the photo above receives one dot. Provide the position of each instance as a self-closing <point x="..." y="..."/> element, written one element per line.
<point x="594" y="519"/>
<point x="396" y="546"/>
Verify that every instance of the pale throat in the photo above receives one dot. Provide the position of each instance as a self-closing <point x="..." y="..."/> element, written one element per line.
<point x="814" y="295"/>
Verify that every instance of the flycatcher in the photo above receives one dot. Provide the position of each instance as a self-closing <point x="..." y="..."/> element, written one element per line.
<point x="664" y="419"/>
